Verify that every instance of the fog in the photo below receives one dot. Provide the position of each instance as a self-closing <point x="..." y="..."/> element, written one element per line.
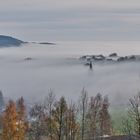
<point x="58" y="67"/>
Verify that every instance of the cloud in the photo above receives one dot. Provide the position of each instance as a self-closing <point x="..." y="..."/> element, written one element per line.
<point x="64" y="4"/>
<point x="71" y="20"/>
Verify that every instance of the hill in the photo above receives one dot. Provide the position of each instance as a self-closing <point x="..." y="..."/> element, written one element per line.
<point x="7" y="41"/>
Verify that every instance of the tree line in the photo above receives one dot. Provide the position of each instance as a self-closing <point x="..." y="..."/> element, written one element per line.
<point x="59" y="119"/>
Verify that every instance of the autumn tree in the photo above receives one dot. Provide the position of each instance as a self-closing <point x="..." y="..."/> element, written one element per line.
<point x="72" y="125"/>
<point x="59" y="115"/>
<point x="22" y="120"/>
<point x="10" y="121"/>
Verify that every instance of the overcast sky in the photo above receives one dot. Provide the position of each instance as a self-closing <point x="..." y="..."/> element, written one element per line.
<point x="58" y="20"/>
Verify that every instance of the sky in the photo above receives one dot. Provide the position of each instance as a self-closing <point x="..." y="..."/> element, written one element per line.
<point x="71" y="20"/>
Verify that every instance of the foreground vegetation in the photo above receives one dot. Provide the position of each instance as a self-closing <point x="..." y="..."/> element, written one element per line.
<point x="54" y="119"/>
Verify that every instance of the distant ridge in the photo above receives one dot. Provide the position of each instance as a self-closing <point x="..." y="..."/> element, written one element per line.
<point x="46" y="43"/>
<point x="8" y="41"/>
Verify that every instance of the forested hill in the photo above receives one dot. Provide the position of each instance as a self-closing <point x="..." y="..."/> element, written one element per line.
<point x="7" y="41"/>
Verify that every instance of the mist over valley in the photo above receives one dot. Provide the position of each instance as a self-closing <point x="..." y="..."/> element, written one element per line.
<point x="32" y="69"/>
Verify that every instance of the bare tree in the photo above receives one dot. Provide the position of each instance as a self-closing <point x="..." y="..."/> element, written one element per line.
<point x="105" y="119"/>
<point x="72" y="126"/>
<point x="83" y="108"/>
<point x="49" y="105"/>
<point x="37" y="122"/>
<point x="95" y="105"/>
